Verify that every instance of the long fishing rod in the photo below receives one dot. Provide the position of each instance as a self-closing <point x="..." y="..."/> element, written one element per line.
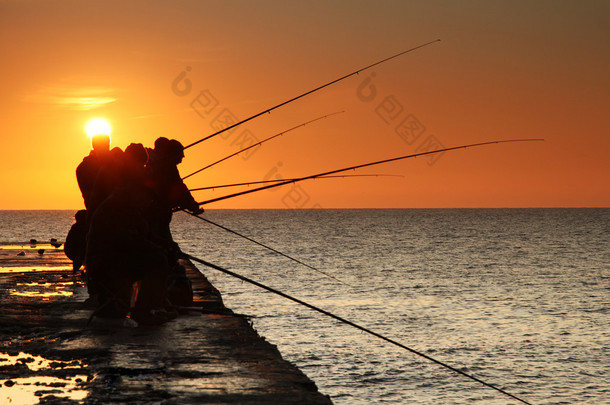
<point x="313" y="176"/>
<point x="260" y="143"/>
<point x="309" y="92"/>
<point x="278" y="180"/>
<point x="267" y="247"/>
<point x="343" y="320"/>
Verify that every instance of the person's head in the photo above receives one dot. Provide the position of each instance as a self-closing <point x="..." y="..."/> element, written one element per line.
<point x="161" y="143"/>
<point x="135" y="154"/>
<point x="81" y="216"/>
<point x="132" y="170"/>
<point x="175" y="151"/>
<point x="100" y="143"/>
<point x="116" y="153"/>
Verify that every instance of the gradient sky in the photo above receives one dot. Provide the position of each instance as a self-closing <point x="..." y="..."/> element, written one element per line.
<point x="503" y="70"/>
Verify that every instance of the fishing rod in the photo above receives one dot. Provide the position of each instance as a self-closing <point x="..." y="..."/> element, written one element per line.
<point x="267" y="247"/>
<point x="343" y="320"/>
<point x="313" y="176"/>
<point x="309" y="92"/>
<point x="278" y="180"/>
<point x="260" y="143"/>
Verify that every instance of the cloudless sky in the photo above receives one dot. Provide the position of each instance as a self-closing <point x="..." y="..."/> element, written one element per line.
<point x="503" y="70"/>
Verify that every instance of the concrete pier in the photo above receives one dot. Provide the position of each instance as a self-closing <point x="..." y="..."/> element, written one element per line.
<point x="50" y="354"/>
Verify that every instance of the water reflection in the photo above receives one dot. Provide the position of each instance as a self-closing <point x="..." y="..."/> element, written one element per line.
<point x="36" y="363"/>
<point x="31" y="390"/>
<point x="25" y="269"/>
<point x="27" y="247"/>
<point x="20" y="258"/>
<point x="42" y="289"/>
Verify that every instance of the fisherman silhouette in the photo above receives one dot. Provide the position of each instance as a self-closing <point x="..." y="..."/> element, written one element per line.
<point x="88" y="169"/>
<point x="109" y="175"/>
<point x="158" y="150"/>
<point x="97" y="176"/>
<point x="133" y="168"/>
<point x="123" y="252"/>
<point x="171" y="191"/>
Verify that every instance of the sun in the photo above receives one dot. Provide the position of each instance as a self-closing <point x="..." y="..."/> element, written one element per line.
<point x="98" y="126"/>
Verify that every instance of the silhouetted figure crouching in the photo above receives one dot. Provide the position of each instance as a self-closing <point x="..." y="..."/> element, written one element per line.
<point x="76" y="240"/>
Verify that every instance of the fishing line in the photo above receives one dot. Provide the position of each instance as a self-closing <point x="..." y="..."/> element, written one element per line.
<point x="277" y="181"/>
<point x="313" y="176"/>
<point x="267" y="247"/>
<point x="260" y="143"/>
<point x="309" y="92"/>
<point x="298" y="301"/>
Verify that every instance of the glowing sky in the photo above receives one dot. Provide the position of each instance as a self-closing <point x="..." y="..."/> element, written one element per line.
<point x="503" y="70"/>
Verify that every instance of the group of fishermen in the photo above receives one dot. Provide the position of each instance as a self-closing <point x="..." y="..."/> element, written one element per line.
<point x="123" y="236"/>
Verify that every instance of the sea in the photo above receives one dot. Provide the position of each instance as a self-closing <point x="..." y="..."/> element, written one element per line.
<point x="517" y="298"/>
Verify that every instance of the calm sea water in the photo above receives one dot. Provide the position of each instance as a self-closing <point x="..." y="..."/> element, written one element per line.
<point x="519" y="298"/>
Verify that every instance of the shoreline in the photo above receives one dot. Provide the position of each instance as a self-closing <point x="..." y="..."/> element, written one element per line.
<point x="211" y="354"/>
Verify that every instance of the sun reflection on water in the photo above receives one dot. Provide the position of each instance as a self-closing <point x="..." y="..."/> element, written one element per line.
<point x="26" y="269"/>
<point x="31" y="390"/>
<point x="23" y="258"/>
<point x="42" y="289"/>
<point x="36" y="363"/>
<point x="27" y="246"/>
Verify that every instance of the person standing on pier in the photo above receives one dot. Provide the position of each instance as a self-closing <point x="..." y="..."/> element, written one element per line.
<point x="171" y="191"/>
<point x="96" y="176"/>
<point x="127" y="263"/>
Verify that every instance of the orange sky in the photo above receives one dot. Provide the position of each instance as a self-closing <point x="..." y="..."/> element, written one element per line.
<point x="504" y="70"/>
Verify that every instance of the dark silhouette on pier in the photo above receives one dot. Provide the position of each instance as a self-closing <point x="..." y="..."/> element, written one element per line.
<point x="123" y="236"/>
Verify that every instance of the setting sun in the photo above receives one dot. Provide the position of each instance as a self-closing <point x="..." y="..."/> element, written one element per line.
<point x="97" y="126"/>
<point x="55" y="99"/>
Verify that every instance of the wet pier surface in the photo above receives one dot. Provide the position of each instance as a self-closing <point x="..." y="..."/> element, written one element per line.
<point x="50" y="354"/>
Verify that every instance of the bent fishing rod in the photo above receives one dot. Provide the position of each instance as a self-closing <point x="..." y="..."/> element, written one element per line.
<point x="345" y="321"/>
<point x="260" y="143"/>
<point x="313" y="176"/>
<point x="278" y="180"/>
<point x="267" y="247"/>
<point x="309" y="92"/>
